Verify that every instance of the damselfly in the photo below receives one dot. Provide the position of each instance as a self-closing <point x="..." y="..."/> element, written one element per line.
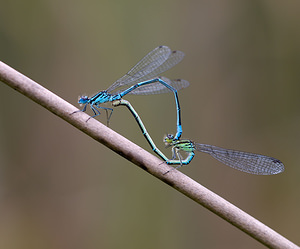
<point x="144" y="80"/>
<point x="244" y="161"/>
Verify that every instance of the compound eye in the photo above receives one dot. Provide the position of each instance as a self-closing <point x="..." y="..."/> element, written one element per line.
<point x="170" y="136"/>
<point x="83" y="99"/>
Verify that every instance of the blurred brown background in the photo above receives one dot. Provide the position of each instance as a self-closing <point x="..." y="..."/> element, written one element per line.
<point x="60" y="189"/>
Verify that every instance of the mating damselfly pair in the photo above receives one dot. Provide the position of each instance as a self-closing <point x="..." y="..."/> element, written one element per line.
<point x="144" y="79"/>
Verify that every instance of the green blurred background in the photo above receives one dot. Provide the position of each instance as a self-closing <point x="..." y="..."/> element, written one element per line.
<point x="61" y="189"/>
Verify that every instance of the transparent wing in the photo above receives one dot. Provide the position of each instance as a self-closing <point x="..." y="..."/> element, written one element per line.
<point x="244" y="161"/>
<point x="158" y="88"/>
<point x="174" y="58"/>
<point x="145" y="66"/>
<point x="156" y="62"/>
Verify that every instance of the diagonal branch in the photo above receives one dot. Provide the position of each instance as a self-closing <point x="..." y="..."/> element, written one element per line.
<point x="143" y="159"/>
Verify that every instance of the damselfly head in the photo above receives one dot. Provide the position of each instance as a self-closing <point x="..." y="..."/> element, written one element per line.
<point x="83" y="99"/>
<point x="168" y="139"/>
